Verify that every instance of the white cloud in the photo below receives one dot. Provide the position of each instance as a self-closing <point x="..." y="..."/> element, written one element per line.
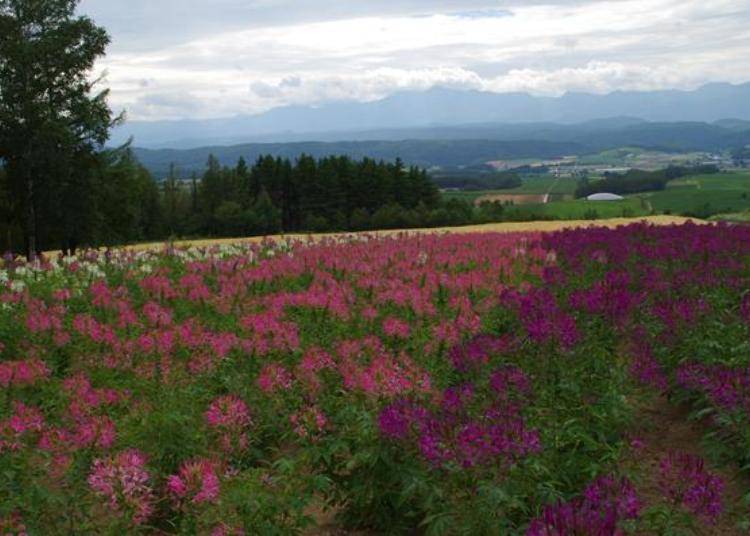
<point x="367" y="50"/>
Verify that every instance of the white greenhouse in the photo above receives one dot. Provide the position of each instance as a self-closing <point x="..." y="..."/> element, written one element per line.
<point x="605" y="197"/>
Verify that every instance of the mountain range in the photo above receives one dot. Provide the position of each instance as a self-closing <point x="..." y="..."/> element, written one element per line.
<point x="474" y="145"/>
<point x="435" y="113"/>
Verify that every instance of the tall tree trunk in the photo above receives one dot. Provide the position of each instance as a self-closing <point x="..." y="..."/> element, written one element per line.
<point x="30" y="229"/>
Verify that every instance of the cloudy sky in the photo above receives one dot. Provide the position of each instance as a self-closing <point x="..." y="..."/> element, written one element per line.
<point x="212" y="58"/>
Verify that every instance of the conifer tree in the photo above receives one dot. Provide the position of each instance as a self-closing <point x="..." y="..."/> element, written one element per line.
<point x="51" y="121"/>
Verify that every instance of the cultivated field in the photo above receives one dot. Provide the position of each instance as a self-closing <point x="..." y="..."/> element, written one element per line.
<point x="588" y="381"/>
<point x="514" y="199"/>
<point x="702" y="194"/>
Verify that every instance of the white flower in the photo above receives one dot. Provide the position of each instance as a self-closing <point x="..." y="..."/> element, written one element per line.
<point x="94" y="271"/>
<point x="17" y="286"/>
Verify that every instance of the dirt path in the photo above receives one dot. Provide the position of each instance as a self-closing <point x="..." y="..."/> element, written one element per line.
<point x="664" y="428"/>
<point x="551" y="189"/>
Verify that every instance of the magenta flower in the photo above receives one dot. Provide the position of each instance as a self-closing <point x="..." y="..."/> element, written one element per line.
<point x="274" y="377"/>
<point x="396" y="328"/>
<point x="684" y="480"/>
<point x="124" y="482"/>
<point x="196" y="482"/>
<point x="457" y="434"/>
<point x="230" y="416"/>
<point x="605" y="503"/>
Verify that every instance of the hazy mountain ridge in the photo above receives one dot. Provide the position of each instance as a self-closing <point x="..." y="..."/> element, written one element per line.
<point x="425" y="153"/>
<point x="440" y="108"/>
<point x="477" y="145"/>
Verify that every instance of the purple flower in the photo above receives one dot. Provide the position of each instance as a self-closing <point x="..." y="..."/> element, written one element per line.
<point x="598" y="512"/>
<point x="684" y="480"/>
<point x="395" y="421"/>
<point x="455" y="433"/>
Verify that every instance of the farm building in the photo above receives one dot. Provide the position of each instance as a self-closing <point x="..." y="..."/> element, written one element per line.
<point x="605" y="197"/>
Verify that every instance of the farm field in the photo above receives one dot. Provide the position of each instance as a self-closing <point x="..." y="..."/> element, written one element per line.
<point x="588" y="380"/>
<point x="532" y="185"/>
<point x="546" y="184"/>
<point x="722" y="193"/>
<point x="698" y="196"/>
<point x="580" y="209"/>
<point x="636" y="157"/>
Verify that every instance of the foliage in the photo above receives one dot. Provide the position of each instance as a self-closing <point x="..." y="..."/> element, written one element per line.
<point x="485" y="181"/>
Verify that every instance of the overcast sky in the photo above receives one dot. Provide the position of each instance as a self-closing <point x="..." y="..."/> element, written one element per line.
<point x="212" y="58"/>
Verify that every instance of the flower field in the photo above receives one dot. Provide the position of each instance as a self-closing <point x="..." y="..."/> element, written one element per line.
<point x="431" y="384"/>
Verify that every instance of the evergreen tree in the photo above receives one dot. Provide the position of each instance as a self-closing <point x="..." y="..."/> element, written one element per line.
<point x="51" y="123"/>
<point x="267" y="218"/>
<point x="174" y="203"/>
<point x="211" y="193"/>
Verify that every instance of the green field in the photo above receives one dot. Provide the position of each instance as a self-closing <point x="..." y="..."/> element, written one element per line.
<point x="531" y="185"/>
<point x="700" y="196"/>
<point x="636" y="157"/>
<point x="581" y="209"/>
<point x="703" y="195"/>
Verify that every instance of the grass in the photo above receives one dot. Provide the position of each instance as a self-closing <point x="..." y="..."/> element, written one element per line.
<point x="545" y="184"/>
<point x="582" y="209"/>
<point x="704" y="195"/>
<point x="734" y="217"/>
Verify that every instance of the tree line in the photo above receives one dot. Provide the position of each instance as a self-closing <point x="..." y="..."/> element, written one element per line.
<point x="478" y="181"/>
<point x="273" y="195"/>
<point x="117" y="201"/>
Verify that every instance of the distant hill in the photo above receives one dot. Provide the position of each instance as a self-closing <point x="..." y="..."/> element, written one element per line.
<point x="473" y="145"/>
<point x="424" y="153"/>
<point x="738" y="125"/>
<point x="441" y="108"/>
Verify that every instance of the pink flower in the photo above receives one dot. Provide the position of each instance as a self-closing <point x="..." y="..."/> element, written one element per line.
<point x="95" y="431"/>
<point x="310" y="422"/>
<point x="231" y="417"/>
<point x="274" y="377"/>
<point x="394" y="327"/>
<point x="228" y="412"/>
<point x="124" y="482"/>
<point x="157" y="315"/>
<point x="196" y="482"/>
<point x="23" y="373"/>
<point x="176" y="486"/>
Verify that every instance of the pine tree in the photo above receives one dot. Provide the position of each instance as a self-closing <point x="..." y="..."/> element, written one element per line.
<point x="51" y="123"/>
